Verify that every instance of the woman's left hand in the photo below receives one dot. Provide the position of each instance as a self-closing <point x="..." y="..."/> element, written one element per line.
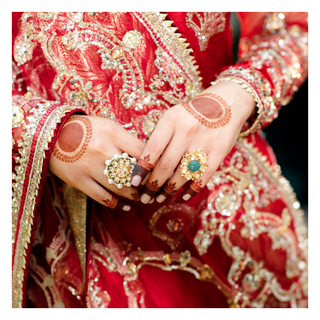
<point x="211" y="121"/>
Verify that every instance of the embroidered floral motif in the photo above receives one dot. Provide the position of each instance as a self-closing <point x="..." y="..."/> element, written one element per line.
<point x="178" y="78"/>
<point x="205" y="25"/>
<point x="245" y="184"/>
<point x="17" y="115"/>
<point x="132" y="39"/>
<point x="46" y="283"/>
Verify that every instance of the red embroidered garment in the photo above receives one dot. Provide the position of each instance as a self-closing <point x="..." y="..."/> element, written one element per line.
<point x="241" y="242"/>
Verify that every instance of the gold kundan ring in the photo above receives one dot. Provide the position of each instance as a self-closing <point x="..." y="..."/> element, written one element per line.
<point x="193" y="164"/>
<point x="119" y="170"/>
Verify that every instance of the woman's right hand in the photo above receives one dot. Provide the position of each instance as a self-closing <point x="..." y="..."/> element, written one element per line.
<point x="79" y="156"/>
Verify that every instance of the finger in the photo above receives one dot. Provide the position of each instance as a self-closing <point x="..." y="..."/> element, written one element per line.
<point x="155" y="146"/>
<point x="170" y="187"/>
<point x="130" y="144"/>
<point x="130" y="193"/>
<point x="197" y="185"/>
<point x="178" y="180"/>
<point x="164" y="168"/>
<point x="99" y="194"/>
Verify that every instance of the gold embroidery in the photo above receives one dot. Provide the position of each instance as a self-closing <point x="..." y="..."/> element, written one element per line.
<point x="76" y="202"/>
<point x="205" y="25"/>
<point x="118" y="54"/>
<point x="17" y="115"/>
<point x="26" y="222"/>
<point x="254" y="184"/>
<point x="177" y="47"/>
<point x="46" y="284"/>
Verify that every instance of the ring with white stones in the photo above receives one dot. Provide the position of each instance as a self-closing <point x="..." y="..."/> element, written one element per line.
<point x="193" y="164"/>
<point x="119" y="170"/>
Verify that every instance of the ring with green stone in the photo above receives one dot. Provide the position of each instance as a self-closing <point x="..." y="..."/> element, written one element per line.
<point x="193" y="164"/>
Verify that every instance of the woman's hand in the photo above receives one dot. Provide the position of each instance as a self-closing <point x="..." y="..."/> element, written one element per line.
<point x="79" y="156"/>
<point x="211" y="121"/>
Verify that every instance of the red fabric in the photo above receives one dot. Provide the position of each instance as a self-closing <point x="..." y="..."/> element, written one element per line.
<point x="251" y="22"/>
<point x="125" y="233"/>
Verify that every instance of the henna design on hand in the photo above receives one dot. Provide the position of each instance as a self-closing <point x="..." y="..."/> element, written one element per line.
<point x="110" y="203"/>
<point x="144" y="163"/>
<point x="73" y="139"/>
<point x="115" y="203"/>
<point x="151" y="188"/>
<point x="142" y="167"/>
<point x="209" y="109"/>
<point x="167" y="191"/>
<point x="169" y="188"/>
<point x="135" y="196"/>
<point x="193" y="189"/>
<point x="153" y="185"/>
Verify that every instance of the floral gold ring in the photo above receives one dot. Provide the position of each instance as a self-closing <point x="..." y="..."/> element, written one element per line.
<point x="119" y="170"/>
<point x="193" y="164"/>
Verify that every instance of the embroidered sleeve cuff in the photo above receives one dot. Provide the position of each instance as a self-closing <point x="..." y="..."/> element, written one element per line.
<point x="272" y="67"/>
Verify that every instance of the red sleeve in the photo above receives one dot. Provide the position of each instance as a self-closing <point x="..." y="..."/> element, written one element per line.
<point x="273" y="61"/>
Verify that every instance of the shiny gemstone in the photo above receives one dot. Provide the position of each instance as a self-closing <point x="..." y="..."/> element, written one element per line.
<point x="203" y="169"/>
<point x="184" y="170"/>
<point x="184" y="162"/>
<point x="196" y="176"/>
<point x="204" y="160"/>
<point x="194" y="165"/>
<point x="132" y="39"/>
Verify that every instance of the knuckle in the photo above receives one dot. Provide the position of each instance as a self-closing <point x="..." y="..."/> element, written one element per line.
<point x="165" y="165"/>
<point x="110" y="129"/>
<point x="153" y="146"/>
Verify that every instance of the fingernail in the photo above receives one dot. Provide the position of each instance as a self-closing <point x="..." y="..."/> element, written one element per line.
<point x="186" y="197"/>
<point x="160" y="198"/>
<point x="145" y="198"/>
<point x="151" y="201"/>
<point x="136" y="180"/>
<point x="126" y="208"/>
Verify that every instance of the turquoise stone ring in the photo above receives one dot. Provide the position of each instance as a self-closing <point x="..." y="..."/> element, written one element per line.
<point x="194" y="165"/>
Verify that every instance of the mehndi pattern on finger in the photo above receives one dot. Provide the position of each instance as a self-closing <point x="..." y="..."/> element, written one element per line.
<point x="151" y="188"/>
<point x="209" y="109"/>
<point x="135" y="196"/>
<point x="193" y="189"/>
<point x="169" y="188"/>
<point x="142" y="167"/>
<point x="116" y="204"/>
<point x="152" y="185"/>
<point x="110" y="203"/>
